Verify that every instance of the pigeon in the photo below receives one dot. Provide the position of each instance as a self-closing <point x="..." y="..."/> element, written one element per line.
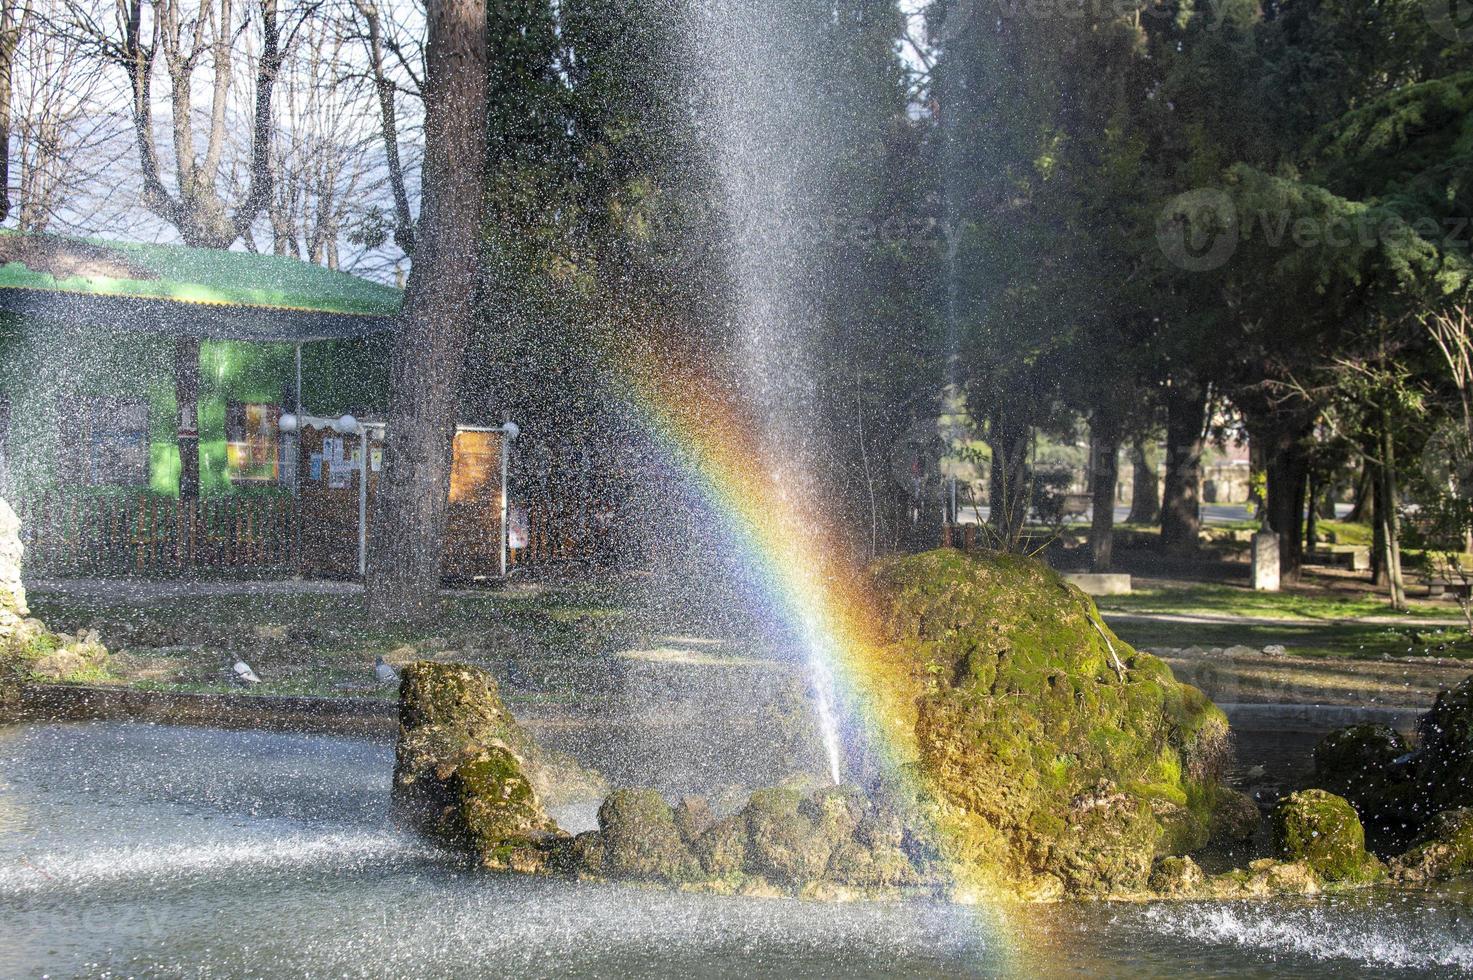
<point x="241" y="673"/>
<point x="387" y="676"/>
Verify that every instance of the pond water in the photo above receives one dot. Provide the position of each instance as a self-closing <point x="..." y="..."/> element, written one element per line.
<point x="128" y="849"/>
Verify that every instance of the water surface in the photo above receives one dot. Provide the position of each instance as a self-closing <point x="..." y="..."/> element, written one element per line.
<point x="128" y="849"/>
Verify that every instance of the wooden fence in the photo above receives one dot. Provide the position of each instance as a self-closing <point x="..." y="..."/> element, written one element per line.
<point x="150" y="535"/>
<point x="153" y="535"/>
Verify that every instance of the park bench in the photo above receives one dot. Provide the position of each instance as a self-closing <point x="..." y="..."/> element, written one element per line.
<point x="1357" y="558"/>
<point x="1458" y="588"/>
<point x="1075" y="505"/>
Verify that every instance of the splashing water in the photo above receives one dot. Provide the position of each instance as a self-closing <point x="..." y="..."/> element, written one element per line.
<point x="821" y="676"/>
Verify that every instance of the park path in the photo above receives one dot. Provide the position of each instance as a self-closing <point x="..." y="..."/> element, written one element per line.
<point x="1223" y="619"/>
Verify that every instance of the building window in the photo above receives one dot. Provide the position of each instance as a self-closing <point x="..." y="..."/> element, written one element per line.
<point x="104" y="441"/>
<point x="252" y="442"/>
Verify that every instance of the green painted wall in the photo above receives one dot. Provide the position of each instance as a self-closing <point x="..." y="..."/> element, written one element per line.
<point x="41" y="363"/>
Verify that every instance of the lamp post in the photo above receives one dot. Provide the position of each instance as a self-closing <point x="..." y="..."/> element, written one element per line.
<point x="509" y="432"/>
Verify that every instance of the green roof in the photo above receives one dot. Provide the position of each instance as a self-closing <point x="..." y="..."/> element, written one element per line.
<point x="232" y="293"/>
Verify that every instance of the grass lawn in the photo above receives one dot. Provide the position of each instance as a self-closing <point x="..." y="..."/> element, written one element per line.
<point x="1309" y="639"/>
<point x="1313" y="622"/>
<point x="544" y="641"/>
<point x="1214" y="599"/>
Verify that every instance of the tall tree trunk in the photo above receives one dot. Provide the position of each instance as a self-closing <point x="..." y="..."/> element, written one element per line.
<point x="1361" y="505"/>
<point x="1380" y="575"/>
<point x="14" y="18"/>
<point x="186" y="396"/>
<point x="1312" y="517"/>
<point x="1008" y="487"/>
<point x="1181" y="517"/>
<point x="1145" y="492"/>
<point x="1390" y="537"/>
<point x="1287" y="467"/>
<point x="436" y="321"/>
<point x="1104" y="450"/>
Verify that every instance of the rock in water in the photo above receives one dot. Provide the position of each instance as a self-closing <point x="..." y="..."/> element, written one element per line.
<point x="1444" y="767"/>
<point x="1445" y="849"/>
<point x="1059" y="758"/>
<point x="1322" y="830"/>
<point x="641" y="839"/>
<point x="461" y="769"/>
<point x="1364" y="764"/>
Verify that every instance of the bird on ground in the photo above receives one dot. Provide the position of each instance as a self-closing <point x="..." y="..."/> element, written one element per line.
<point x="241" y="673"/>
<point x="386" y="675"/>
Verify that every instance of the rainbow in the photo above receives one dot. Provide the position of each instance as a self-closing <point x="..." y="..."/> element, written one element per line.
<point x="713" y="438"/>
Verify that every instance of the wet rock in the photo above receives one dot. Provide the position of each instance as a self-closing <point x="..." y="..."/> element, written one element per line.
<point x="1445" y="849"/>
<point x="784" y="843"/>
<point x="1356" y="760"/>
<point x="1264" y="878"/>
<point x="722" y="849"/>
<point x="460" y="773"/>
<point x="1444" y="766"/>
<point x="882" y="828"/>
<point x="587" y="853"/>
<point x="836" y="811"/>
<point x="1025" y="707"/>
<point x="883" y="866"/>
<point x="1177" y="876"/>
<point x="1235" y="818"/>
<point x="1366" y="764"/>
<point x="693" y="817"/>
<point x="1323" y="831"/>
<point x="641" y="840"/>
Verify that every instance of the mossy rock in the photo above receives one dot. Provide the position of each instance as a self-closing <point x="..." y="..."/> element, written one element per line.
<point x="1323" y="831"/>
<point x="1235" y="818"/>
<point x="460" y="773"/>
<point x="1353" y="760"/>
<point x="1052" y="748"/>
<point x="1444" y="768"/>
<point x="785" y="843"/>
<point x="1177" y="876"/>
<point x="445" y="706"/>
<point x="1366" y="765"/>
<point x="693" y="817"/>
<point x="1264" y="878"/>
<point x="722" y="848"/>
<point x="641" y="840"/>
<point x="1445" y="849"/>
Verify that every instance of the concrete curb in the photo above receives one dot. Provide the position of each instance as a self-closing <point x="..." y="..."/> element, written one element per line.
<point x="360" y="717"/>
<point x="1315" y="718"/>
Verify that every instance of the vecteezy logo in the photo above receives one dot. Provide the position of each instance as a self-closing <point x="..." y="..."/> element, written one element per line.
<point x="956" y="17"/>
<point x="1198" y="231"/>
<point x="1453" y="19"/>
<point x="1447" y="459"/>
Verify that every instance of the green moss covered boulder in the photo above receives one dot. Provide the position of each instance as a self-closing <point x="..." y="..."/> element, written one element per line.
<point x="641" y="839"/>
<point x="1059" y="758"/>
<point x="462" y="769"/>
<point x="1323" y="831"/>
<point x="1444" y="850"/>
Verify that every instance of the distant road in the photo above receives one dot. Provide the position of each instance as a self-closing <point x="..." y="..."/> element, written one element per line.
<point x="1211" y="513"/>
